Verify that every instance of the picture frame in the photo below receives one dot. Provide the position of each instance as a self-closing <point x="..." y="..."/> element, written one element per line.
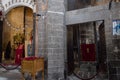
<point x="116" y="27"/>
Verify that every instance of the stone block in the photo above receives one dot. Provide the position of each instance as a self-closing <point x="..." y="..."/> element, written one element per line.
<point x="55" y="18"/>
<point x="55" y="33"/>
<point x="53" y="6"/>
<point x="55" y="76"/>
<point x="113" y="77"/>
<point x="118" y="70"/>
<point x="111" y="56"/>
<point x="112" y="71"/>
<point x="118" y="77"/>
<point x="115" y="64"/>
<point x="55" y="45"/>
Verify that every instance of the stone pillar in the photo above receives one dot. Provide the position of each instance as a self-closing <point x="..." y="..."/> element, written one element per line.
<point x="41" y="33"/>
<point x="108" y="34"/>
<point x="55" y="37"/>
<point x="40" y="29"/>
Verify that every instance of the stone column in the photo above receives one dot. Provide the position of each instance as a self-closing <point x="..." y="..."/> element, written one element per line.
<point x="55" y="36"/>
<point x="51" y="37"/>
<point x="41" y="31"/>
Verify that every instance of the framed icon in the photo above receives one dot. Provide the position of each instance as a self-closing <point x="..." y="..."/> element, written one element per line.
<point x="116" y="27"/>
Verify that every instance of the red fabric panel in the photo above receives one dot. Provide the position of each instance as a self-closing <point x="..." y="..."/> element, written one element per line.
<point x="18" y="54"/>
<point x="30" y="58"/>
<point x="0" y="13"/>
<point x="88" y="52"/>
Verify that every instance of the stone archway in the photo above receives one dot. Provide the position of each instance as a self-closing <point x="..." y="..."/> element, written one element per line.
<point x="10" y="4"/>
<point x="18" y="22"/>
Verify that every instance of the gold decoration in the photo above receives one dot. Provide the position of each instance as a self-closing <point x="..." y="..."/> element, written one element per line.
<point x="18" y="38"/>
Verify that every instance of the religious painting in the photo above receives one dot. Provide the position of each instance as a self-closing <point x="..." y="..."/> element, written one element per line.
<point x="116" y="27"/>
<point x="29" y="50"/>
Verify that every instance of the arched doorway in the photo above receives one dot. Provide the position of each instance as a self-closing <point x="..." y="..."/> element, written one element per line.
<point x="17" y="29"/>
<point x="86" y="50"/>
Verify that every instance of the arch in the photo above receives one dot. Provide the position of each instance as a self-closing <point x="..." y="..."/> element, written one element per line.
<point x="10" y="4"/>
<point x="13" y="6"/>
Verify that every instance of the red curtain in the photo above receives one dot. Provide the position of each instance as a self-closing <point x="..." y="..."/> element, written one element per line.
<point x="0" y="13"/>
<point x="19" y="54"/>
<point x="88" y="52"/>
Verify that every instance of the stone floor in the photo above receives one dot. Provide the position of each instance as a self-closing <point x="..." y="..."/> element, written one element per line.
<point x="10" y="75"/>
<point x="14" y="75"/>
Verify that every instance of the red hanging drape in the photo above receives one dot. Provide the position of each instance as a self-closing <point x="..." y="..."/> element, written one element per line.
<point x="0" y="13"/>
<point x="88" y="52"/>
<point x="19" y="54"/>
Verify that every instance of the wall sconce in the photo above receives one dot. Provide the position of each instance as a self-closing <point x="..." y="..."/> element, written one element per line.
<point x="39" y="16"/>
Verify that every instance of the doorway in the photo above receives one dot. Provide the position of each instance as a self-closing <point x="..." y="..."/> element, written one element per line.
<point x="17" y="35"/>
<point x="86" y="49"/>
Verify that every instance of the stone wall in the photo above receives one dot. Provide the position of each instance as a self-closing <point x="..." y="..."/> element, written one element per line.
<point x="79" y="4"/>
<point x="102" y="13"/>
<point x="112" y="42"/>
